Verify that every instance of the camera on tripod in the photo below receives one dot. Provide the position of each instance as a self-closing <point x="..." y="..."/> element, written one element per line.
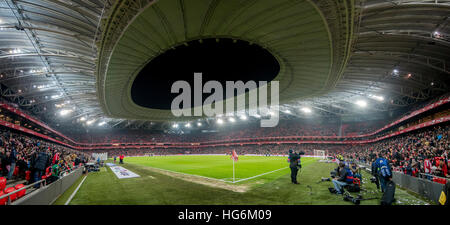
<point x="373" y="180"/>
<point x="349" y="198"/>
<point x="356" y="200"/>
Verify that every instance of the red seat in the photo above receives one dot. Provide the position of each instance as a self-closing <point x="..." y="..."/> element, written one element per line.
<point x="21" y="193"/>
<point x="3" y="200"/>
<point x="16" y="171"/>
<point x="2" y="183"/>
<point x="27" y="175"/>
<point x="439" y="180"/>
<point x="9" y="190"/>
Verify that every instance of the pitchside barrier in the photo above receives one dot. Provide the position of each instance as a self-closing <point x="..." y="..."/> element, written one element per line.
<point x="47" y="194"/>
<point x="424" y="187"/>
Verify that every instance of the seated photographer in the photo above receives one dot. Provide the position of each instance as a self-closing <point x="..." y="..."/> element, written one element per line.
<point x="345" y="177"/>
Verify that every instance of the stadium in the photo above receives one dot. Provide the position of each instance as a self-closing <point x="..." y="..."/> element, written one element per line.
<point x="224" y="102"/>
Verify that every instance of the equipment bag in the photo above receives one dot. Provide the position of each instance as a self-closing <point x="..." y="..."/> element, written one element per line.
<point x="384" y="169"/>
<point x="353" y="188"/>
<point x="388" y="195"/>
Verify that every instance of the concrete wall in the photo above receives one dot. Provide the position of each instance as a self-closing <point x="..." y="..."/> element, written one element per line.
<point x="48" y="194"/>
<point x="424" y="187"/>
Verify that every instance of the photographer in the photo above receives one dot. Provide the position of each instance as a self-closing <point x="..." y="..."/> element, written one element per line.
<point x="344" y="178"/>
<point x="383" y="169"/>
<point x="374" y="173"/>
<point x="294" y="165"/>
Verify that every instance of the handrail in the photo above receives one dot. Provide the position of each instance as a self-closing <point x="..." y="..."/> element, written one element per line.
<point x="30" y="185"/>
<point x="428" y="175"/>
<point x="26" y="187"/>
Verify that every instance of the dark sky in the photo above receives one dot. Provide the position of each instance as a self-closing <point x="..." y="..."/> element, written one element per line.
<point x="221" y="61"/>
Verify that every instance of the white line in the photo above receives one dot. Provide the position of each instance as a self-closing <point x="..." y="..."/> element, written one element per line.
<point x="189" y="174"/>
<point x="76" y="190"/>
<point x="264" y="173"/>
<point x="259" y="175"/>
<point x="223" y="179"/>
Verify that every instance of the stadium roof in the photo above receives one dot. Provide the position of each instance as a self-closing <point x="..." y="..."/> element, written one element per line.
<point x="69" y="55"/>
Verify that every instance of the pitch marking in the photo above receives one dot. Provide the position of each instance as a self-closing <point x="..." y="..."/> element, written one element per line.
<point x="76" y="190"/>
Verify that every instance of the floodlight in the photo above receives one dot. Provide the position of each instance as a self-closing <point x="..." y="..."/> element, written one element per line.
<point x="306" y="110"/>
<point x="361" y="103"/>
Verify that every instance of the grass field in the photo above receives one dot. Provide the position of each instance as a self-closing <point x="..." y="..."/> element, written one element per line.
<point x="221" y="167"/>
<point x="161" y="187"/>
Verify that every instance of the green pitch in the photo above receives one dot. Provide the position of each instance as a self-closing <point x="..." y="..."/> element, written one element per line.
<point x="158" y="187"/>
<point x="221" y="167"/>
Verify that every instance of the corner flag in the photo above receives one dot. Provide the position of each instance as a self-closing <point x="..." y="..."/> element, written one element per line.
<point x="234" y="156"/>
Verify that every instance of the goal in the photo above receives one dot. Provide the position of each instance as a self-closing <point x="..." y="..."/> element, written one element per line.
<point x="320" y="154"/>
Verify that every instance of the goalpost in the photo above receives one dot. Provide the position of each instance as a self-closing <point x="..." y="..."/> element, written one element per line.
<point x="320" y="154"/>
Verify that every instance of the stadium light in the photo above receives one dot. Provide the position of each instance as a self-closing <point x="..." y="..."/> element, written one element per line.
<point x="306" y="110"/>
<point x="436" y="34"/>
<point x="287" y="111"/>
<point x="175" y="125"/>
<point x="187" y="125"/>
<point x="243" y="117"/>
<point x="361" y="103"/>
<point x="64" y="112"/>
<point x="257" y="116"/>
<point x="199" y="124"/>
<point x="377" y="97"/>
<point x="219" y="121"/>
<point x="90" y="122"/>
<point x="82" y="118"/>
<point x="101" y="123"/>
<point x="231" y="119"/>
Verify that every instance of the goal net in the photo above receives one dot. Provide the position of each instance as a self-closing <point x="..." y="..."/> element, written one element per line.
<point x="320" y="154"/>
<point x="103" y="156"/>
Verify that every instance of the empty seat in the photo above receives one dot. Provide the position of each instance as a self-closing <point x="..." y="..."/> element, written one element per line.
<point x="2" y="183"/>
<point x="21" y="193"/>
<point x="16" y="171"/>
<point x="27" y="175"/>
<point x="9" y="190"/>
<point x="2" y="200"/>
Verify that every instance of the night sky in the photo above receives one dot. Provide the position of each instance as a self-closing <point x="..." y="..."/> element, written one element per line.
<point x="221" y="61"/>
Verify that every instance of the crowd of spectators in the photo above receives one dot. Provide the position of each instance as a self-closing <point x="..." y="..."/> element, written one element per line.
<point x="421" y="152"/>
<point x="24" y="157"/>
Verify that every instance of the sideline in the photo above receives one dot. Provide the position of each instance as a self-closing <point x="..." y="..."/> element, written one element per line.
<point x="75" y="192"/>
